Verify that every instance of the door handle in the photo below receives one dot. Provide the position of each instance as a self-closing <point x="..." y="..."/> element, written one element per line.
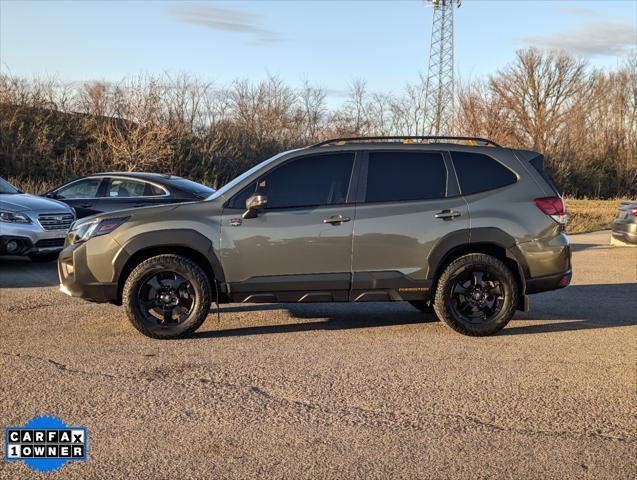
<point x="336" y="219"/>
<point x="447" y="214"/>
<point x="86" y="205"/>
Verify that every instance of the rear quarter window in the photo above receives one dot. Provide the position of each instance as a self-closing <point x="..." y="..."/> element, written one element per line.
<point x="479" y="173"/>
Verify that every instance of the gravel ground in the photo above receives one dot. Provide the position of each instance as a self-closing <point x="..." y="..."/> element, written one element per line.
<point x="334" y="391"/>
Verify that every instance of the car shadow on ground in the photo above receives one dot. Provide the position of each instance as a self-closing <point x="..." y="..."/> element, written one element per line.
<point x="19" y="272"/>
<point x="577" y="307"/>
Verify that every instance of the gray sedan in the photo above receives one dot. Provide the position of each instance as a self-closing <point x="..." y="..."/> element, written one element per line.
<point x="625" y="223"/>
<point x="31" y="225"/>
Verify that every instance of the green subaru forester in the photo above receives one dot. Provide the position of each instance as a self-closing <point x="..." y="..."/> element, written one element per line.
<point x="454" y="225"/>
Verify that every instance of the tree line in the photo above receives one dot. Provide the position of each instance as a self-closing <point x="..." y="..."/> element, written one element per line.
<point x="584" y="121"/>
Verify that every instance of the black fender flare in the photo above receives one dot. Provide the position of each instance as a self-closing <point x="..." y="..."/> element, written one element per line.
<point x="470" y="236"/>
<point x="179" y="237"/>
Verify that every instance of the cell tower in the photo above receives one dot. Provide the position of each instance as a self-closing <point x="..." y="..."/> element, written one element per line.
<point x="439" y="94"/>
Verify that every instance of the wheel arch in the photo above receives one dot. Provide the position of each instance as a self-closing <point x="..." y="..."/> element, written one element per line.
<point x="490" y="241"/>
<point x="187" y="243"/>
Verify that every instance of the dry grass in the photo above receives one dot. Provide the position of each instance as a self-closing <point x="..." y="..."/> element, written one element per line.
<point x="36" y="186"/>
<point x="587" y="215"/>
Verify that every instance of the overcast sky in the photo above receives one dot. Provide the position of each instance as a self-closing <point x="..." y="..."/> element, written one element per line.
<point x="327" y="42"/>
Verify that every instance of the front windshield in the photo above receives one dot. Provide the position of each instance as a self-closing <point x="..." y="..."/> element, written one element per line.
<point x="6" y="188"/>
<point x="243" y="176"/>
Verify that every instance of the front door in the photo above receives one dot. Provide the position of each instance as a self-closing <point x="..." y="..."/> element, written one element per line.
<point x="299" y="247"/>
<point x="81" y="195"/>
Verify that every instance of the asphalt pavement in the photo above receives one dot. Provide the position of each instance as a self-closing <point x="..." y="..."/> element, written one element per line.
<point x="333" y="390"/>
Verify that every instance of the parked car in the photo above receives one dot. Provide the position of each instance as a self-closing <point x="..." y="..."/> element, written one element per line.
<point x="31" y="225"/>
<point x="468" y="231"/>
<point x="625" y="223"/>
<point x="106" y="192"/>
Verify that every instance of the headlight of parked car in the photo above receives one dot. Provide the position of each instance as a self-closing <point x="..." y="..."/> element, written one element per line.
<point x="82" y="231"/>
<point x="11" y="217"/>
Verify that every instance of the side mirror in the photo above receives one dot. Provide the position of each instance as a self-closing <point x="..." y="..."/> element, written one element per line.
<point x="255" y="204"/>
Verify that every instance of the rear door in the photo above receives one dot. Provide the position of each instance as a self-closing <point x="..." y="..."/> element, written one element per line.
<point x="301" y="242"/>
<point x="408" y="201"/>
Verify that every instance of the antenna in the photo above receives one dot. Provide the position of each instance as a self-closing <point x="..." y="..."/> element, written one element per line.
<point x="440" y="89"/>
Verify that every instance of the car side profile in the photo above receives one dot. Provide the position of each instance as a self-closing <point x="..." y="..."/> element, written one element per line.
<point x="455" y="225"/>
<point x="107" y="192"/>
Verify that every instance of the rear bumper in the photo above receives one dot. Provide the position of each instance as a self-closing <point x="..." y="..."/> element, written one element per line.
<point x="625" y="231"/>
<point x="548" y="282"/>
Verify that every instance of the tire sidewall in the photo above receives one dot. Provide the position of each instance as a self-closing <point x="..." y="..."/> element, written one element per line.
<point x="443" y="303"/>
<point x="167" y="263"/>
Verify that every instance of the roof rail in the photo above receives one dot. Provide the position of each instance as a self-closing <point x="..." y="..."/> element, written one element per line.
<point x="403" y="139"/>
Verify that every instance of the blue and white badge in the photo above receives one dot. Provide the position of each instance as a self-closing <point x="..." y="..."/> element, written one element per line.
<point x="45" y="443"/>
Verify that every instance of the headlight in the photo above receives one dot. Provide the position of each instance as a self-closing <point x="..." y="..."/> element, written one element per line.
<point x="11" y="217"/>
<point x="81" y="232"/>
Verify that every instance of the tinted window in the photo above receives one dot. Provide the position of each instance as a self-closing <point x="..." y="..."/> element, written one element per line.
<point x="124" y="187"/>
<point x="239" y="200"/>
<point x="396" y="176"/>
<point x="81" y="189"/>
<point x="308" y="181"/>
<point x="154" y="190"/>
<point x="478" y="173"/>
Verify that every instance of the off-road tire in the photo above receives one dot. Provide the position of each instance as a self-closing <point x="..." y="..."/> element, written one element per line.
<point x="443" y="296"/>
<point x="171" y="263"/>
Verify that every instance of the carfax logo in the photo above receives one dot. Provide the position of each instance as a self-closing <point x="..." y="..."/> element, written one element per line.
<point x="45" y="443"/>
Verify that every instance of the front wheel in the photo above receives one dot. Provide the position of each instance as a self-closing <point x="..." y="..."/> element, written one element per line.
<point x="167" y="296"/>
<point x="476" y="295"/>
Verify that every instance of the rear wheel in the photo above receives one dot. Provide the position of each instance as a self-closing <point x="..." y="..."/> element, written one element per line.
<point x="476" y="295"/>
<point x="167" y="296"/>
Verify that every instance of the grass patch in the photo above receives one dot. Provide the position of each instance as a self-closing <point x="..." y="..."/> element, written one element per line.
<point x="586" y="215"/>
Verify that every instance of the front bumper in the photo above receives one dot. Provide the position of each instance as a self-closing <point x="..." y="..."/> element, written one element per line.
<point x="23" y="241"/>
<point x="626" y="231"/>
<point x="85" y="271"/>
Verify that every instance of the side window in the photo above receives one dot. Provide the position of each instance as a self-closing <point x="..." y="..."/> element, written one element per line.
<point x="82" y="189"/>
<point x="479" y="173"/>
<point x="399" y="176"/>
<point x="123" y="187"/>
<point x="153" y="190"/>
<point x="239" y="200"/>
<point x="308" y="181"/>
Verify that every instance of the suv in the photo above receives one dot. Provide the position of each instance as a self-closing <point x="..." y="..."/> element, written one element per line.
<point x="467" y="230"/>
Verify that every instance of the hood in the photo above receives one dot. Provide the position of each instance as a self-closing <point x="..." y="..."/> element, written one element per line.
<point x="135" y="213"/>
<point x="25" y="202"/>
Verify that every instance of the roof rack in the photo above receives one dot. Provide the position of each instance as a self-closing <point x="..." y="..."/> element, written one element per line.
<point x="406" y="139"/>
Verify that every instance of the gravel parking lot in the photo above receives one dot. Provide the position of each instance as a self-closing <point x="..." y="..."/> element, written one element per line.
<point x="334" y="391"/>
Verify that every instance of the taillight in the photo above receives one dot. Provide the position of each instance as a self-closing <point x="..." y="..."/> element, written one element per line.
<point x="633" y="211"/>
<point x="553" y="206"/>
